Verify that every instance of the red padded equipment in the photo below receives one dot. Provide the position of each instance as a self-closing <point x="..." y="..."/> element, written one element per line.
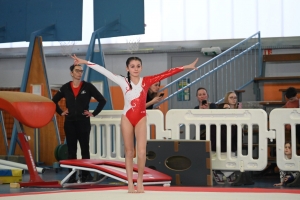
<point x="29" y="109"/>
<point x="33" y="111"/>
<point x="106" y="166"/>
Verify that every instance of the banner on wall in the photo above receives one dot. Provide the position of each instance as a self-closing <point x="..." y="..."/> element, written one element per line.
<point x="185" y="94"/>
<point x="267" y="51"/>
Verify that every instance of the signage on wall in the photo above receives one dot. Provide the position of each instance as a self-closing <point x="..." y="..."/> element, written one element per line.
<point x="184" y="95"/>
<point x="36" y="89"/>
<point x="267" y="51"/>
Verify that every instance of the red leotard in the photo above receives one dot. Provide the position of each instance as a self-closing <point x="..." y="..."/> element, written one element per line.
<point x="135" y="98"/>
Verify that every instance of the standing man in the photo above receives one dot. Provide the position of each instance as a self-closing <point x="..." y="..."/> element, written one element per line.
<point x="77" y="124"/>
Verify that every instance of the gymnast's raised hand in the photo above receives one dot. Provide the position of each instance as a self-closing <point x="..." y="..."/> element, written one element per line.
<point x="78" y="61"/>
<point x="192" y="65"/>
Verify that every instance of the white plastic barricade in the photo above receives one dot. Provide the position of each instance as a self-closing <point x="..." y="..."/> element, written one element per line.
<point x="278" y="119"/>
<point x="105" y="127"/>
<point x="106" y="135"/>
<point x="239" y="117"/>
<point x="156" y="117"/>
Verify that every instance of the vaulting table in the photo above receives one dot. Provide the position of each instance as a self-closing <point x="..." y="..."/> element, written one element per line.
<point x="33" y="111"/>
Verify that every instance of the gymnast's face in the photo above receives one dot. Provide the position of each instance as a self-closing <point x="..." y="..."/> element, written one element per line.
<point x="134" y="68"/>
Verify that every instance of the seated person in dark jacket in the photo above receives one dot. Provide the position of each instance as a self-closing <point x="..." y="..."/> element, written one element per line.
<point x="202" y="97"/>
<point x="152" y="95"/>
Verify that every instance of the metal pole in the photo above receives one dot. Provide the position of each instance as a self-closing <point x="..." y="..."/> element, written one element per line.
<point x="4" y="131"/>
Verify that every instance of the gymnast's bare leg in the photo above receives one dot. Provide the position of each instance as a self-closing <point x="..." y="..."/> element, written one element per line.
<point x="128" y="135"/>
<point x="141" y="140"/>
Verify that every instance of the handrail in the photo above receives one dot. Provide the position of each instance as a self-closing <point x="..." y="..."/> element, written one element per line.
<point x="207" y="74"/>
<point x="211" y="60"/>
<point x="255" y="45"/>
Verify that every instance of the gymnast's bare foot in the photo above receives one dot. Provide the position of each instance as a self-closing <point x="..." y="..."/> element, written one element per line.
<point x="131" y="188"/>
<point x="140" y="187"/>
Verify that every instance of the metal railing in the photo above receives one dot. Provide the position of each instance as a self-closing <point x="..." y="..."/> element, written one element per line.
<point x="231" y="70"/>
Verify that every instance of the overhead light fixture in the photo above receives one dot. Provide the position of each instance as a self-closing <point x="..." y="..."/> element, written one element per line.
<point x="211" y="51"/>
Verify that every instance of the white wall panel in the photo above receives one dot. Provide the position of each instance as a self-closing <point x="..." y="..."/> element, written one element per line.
<point x="58" y="68"/>
<point x="291" y="17"/>
<point x="173" y="19"/>
<point x="196" y="20"/>
<point x="244" y="18"/>
<point x="220" y="23"/>
<point x="181" y="20"/>
<point x="153" y="12"/>
<point x="11" y="72"/>
<point x="270" y="18"/>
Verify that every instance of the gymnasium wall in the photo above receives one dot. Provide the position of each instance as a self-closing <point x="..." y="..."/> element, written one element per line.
<point x="271" y="90"/>
<point x="283" y="69"/>
<point x="11" y="69"/>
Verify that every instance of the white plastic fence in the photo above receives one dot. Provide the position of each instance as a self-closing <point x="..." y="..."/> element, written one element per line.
<point x="278" y="119"/>
<point x="106" y="136"/>
<point x="239" y="117"/>
<point x="106" y="140"/>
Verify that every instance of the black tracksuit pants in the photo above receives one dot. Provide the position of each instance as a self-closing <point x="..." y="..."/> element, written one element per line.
<point x="78" y="131"/>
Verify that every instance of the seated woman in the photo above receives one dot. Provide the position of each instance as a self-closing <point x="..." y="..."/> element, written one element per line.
<point x="202" y="97"/>
<point x="287" y="177"/>
<point x="230" y="102"/>
<point x="152" y="96"/>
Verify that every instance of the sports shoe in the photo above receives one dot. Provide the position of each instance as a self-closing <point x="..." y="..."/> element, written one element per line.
<point x="218" y="177"/>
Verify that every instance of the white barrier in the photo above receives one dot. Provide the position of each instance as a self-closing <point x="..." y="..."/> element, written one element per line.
<point x="156" y="117"/>
<point x="240" y="117"/>
<point x="106" y="137"/>
<point x="106" y="140"/>
<point x="278" y="119"/>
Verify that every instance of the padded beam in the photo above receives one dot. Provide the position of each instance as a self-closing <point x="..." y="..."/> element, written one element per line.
<point x="29" y="109"/>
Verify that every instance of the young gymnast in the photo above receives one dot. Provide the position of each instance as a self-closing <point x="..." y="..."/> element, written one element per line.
<point x="133" y="119"/>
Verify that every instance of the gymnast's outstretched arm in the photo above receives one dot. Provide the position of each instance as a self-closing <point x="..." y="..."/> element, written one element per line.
<point x="115" y="78"/>
<point x="171" y="72"/>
